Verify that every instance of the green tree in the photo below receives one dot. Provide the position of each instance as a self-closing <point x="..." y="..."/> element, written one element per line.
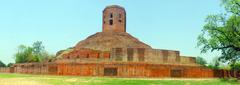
<point x="2" y="64"/>
<point x="36" y="53"/>
<point x="9" y="64"/>
<point x="236" y="66"/>
<point x="38" y="50"/>
<point x="25" y="54"/>
<point x="201" y="61"/>
<point x="222" y="33"/>
<point x="20" y="57"/>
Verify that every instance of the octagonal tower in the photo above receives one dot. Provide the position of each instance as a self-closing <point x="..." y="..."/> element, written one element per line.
<point x="114" y="19"/>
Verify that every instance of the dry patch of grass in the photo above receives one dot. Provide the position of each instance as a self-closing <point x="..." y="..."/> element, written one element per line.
<point x="19" y="81"/>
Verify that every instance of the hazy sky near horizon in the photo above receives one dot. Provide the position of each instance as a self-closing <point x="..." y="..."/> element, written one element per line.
<point x="59" y="24"/>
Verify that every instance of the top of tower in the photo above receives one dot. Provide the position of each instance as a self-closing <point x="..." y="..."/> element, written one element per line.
<point x="113" y="6"/>
<point x="114" y="19"/>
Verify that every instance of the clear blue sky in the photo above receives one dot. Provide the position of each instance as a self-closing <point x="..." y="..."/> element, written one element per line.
<point x="163" y="24"/>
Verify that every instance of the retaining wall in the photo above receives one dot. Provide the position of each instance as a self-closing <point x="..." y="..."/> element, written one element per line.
<point x="115" y="69"/>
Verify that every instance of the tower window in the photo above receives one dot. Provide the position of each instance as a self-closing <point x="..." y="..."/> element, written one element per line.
<point x="111" y="22"/>
<point x="111" y="15"/>
<point x="120" y="16"/>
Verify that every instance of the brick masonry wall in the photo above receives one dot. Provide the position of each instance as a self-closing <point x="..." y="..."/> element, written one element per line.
<point x="4" y="69"/>
<point x="85" y="53"/>
<point x="155" y="56"/>
<point x="31" y="68"/>
<point x="122" y="69"/>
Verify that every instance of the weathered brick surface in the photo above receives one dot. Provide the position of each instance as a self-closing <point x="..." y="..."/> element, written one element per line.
<point x="123" y="70"/>
<point x="128" y="55"/>
<point x="31" y="68"/>
<point x="157" y="56"/>
<point x="114" y="19"/>
<point x="83" y="53"/>
<point x="5" y="70"/>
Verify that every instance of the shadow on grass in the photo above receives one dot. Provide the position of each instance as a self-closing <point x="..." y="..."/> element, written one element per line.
<point x="231" y="80"/>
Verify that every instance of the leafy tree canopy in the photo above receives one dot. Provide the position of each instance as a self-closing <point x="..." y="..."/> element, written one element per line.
<point x="222" y="33"/>
<point x="2" y="64"/>
<point x="9" y="64"/>
<point x="236" y="66"/>
<point x="35" y="53"/>
<point x="201" y="61"/>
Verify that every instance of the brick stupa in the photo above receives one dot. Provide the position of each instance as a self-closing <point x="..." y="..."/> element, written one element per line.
<point x="114" y="52"/>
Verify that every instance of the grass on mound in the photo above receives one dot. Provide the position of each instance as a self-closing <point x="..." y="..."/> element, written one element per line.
<point x="23" y="79"/>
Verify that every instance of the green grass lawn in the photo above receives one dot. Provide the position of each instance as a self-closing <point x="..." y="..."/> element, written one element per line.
<point x="23" y="79"/>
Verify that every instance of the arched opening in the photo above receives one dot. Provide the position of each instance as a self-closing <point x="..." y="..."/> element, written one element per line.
<point x="111" y="15"/>
<point x="120" y="17"/>
<point x="110" y="22"/>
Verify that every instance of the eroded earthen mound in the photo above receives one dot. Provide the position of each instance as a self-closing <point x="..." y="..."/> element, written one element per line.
<point x="104" y="41"/>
